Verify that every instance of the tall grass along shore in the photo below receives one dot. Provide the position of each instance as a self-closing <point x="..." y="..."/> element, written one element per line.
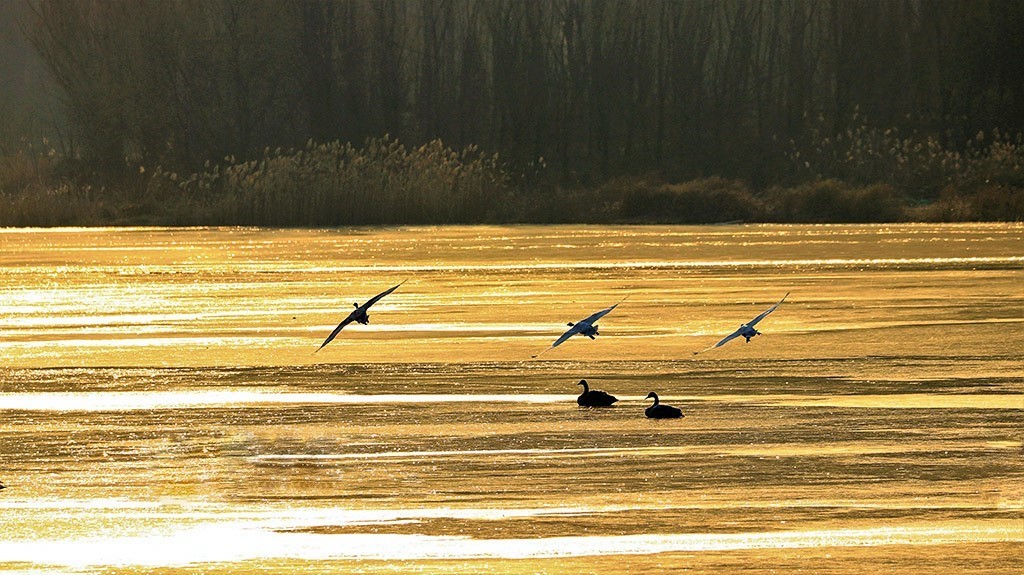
<point x="863" y="175"/>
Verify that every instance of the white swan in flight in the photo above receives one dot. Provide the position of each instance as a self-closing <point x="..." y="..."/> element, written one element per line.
<point x="358" y="315"/>
<point x="587" y="327"/>
<point x="746" y="330"/>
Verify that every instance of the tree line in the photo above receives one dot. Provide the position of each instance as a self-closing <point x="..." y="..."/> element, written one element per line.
<point x="571" y="91"/>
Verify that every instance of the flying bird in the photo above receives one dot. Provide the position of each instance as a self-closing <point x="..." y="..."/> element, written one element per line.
<point x="358" y="315"/>
<point x="594" y="397"/>
<point x="746" y="330"/>
<point x="660" y="410"/>
<point x="587" y="327"/>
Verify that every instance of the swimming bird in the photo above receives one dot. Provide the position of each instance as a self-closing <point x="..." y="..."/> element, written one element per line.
<point x="594" y="397"/>
<point x="746" y="330"/>
<point x="358" y="315"/>
<point x="660" y="410"/>
<point x="587" y="327"/>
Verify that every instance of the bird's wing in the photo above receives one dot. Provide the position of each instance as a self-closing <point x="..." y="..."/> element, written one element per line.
<point x="754" y="321"/>
<point x="727" y="339"/>
<point x="337" y="330"/>
<point x="377" y="297"/>
<point x="568" y="333"/>
<point x="724" y="340"/>
<point x="591" y="319"/>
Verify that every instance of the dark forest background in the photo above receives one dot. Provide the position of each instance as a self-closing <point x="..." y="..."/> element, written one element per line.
<point x="323" y="112"/>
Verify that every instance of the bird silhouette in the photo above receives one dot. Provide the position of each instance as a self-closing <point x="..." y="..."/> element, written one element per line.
<point x="594" y="397"/>
<point x="660" y="410"/>
<point x="587" y="327"/>
<point x="746" y="330"/>
<point x="357" y="315"/>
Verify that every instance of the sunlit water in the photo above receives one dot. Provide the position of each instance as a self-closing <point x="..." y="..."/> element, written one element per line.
<point x="163" y="410"/>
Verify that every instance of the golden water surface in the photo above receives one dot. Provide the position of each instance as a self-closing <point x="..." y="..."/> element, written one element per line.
<point x="163" y="410"/>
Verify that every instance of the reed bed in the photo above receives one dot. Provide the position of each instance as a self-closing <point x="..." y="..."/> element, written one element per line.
<point x="864" y="175"/>
<point x="333" y="184"/>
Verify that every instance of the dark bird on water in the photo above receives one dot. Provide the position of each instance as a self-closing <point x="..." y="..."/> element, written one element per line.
<point x="358" y="315"/>
<point x="594" y="397"/>
<point x="587" y="327"/>
<point x="660" y="410"/>
<point x="2" y="486"/>
<point x="746" y="330"/>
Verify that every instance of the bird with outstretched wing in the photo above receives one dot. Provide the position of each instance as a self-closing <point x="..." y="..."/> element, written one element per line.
<point x="746" y="330"/>
<point x="358" y="315"/>
<point x="585" y="327"/>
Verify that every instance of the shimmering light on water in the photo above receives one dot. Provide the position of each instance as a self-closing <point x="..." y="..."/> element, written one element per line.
<point x="236" y="543"/>
<point x="148" y="400"/>
<point x="163" y="409"/>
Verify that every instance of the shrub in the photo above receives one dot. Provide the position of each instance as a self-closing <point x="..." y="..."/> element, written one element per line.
<point x="34" y="193"/>
<point x="832" y="201"/>
<point x="709" y="200"/>
<point x="988" y="203"/>
<point x="997" y="202"/>
<point x="47" y="206"/>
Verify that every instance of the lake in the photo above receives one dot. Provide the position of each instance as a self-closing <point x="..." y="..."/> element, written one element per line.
<point x="164" y="410"/>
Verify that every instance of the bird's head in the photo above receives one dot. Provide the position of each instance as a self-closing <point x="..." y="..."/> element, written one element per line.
<point x="570" y="324"/>
<point x="652" y="395"/>
<point x="582" y="382"/>
<point x="355" y="305"/>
